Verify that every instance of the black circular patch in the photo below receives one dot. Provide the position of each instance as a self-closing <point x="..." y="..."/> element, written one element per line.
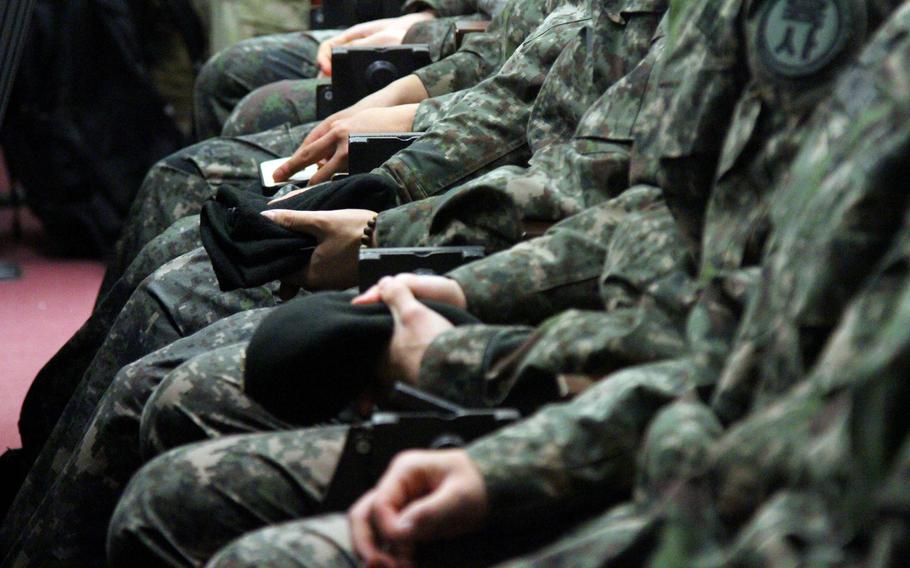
<point x="800" y="37"/>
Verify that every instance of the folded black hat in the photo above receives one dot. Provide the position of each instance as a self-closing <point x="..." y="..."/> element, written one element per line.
<point x="310" y="358"/>
<point x="247" y="249"/>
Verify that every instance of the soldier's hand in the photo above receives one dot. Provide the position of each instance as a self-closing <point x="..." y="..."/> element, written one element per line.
<point x="424" y="287"/>
<point x="333" y="265"/>
<point x="388" y="31"/>
<point x="416" y="326"/>
<point x="331" y="147"/>
<point x="423" y="496"/>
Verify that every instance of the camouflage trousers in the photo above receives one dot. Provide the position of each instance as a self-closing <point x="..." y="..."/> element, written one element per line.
<point x="188" y="503"/>
<point x="60" y="515"/>
<point x="189" y="391"/>
<point x="265" y="81"/>
<point x="178" y="185"/>
<point x="754" y="496"/>
<point x="59" y="378"/>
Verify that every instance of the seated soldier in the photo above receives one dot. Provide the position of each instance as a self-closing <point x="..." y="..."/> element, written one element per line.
<point x="723" y="96"/>
<point x="582" y="159"/>
<point x="642" y="41"/>
<point x="264" y="82"/>
<point x="568" y="461"/>
<point x="182" y="182"/>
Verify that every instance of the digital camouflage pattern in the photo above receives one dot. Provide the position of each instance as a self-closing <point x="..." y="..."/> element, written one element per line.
<point x="580" y="144"/>
<point x="486" y="127"/>
<point x="59" y="517"/>
<point x="627" y="309"/>
<point x="145" y="306"/>
<point x="646" y="389"/>
<point x="197" y="396"/>
<point x="710" y="326"/>
<point x="202" y="154"/>
<point x="801" y="476"/>
<point x="176" y="186"/>
<point x="173" y="189"/>
<point x="293" y="101"/>
<point x="237" y="71"/>
<point x="289" y="487"/>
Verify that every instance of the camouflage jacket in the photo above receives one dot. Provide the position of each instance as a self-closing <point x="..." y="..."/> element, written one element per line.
<point x="479" y="56"/>
<point x="580" y="142"/>
<point x="570" y="450"/>
<point x="565" y="269"/>
<point x="488" y="122"/>
<point x="819" y="470"/>
<point x="599" y="263"/>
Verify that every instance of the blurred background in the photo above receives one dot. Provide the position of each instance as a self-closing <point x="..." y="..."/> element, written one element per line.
<point x="102" y="91"/>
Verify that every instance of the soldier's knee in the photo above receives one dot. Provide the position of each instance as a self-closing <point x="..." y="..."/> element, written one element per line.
<point x="168" y="417"/>
<point x="144" y="529"/>
<point x="163" y="168"/>
<point x="677" y="443"/>
<point x="322" y="542"/>
<point x="261" y="110"/>
<point x="216" y="75"/>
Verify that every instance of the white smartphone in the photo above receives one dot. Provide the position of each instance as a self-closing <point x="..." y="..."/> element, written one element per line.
<point x="267" y="170"/>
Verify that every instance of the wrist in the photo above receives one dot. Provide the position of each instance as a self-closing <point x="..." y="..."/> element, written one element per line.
<point x="406" y="90"/>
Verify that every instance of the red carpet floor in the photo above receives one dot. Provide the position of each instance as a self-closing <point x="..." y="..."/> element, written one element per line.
<point x="38" y="313"/>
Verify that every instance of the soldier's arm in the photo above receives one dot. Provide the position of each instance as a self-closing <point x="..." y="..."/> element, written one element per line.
<point x="489" y="121"/>
<point x="485" y="365"/>
<point x="562" y="179"/>
<point x="700" y="81"/>
<point x="549" y="274"/>
<point x="579" y="455"/>
<point x="479" y="55"/>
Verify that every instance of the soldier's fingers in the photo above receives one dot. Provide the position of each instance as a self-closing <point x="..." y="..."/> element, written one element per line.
<point x="385" y="521"/>
<point x="371" y="296"/>
<point x="362" y="536"/>
<point x="379" y="38"/>
<point x="404" y="480"/>
<point x="304" y="156"/>
<point x="324" y="52"/>
<point x="331" y="167"/>
<point x="427" y="518"/>
<point x="319" y="131"/>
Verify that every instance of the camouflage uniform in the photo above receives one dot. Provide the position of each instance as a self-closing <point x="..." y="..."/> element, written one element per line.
<point x="229" y="360"/>
<point x="175" y="188"/>
<point x="524" y="478"/>
<point x="799" y="475"/>
<point x="116" y="353"/>
<point x="272" y="79"/>
<point x="220" y="166"/>
<point x="190" y="288"/>
<point x="234" y="73"/>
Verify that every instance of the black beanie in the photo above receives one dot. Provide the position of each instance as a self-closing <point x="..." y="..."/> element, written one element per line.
<point x="310" y="358"/>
